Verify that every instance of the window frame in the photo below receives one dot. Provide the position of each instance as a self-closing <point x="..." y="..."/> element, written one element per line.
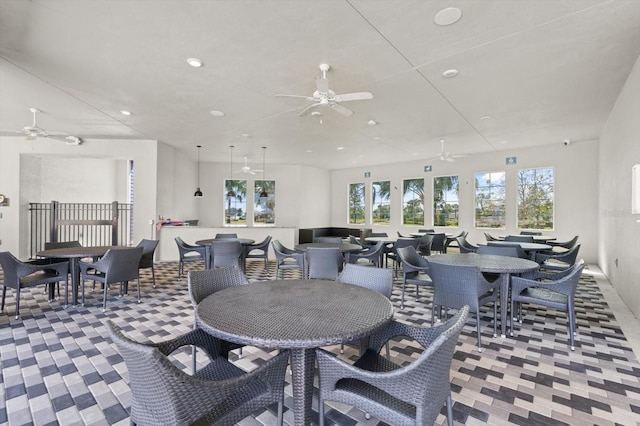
<point x="491" y="200"/>
<point x="519" y="195"/>
<point x="381" y="203"/>
<point x="403" y="201"/>
<point x="271" y="191"/>
<point x="456" y="186"/>
<point x="362" y="203"/>
<point x="227" y="203"/>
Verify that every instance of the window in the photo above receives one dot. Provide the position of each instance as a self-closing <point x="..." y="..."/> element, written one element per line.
<point x="413" y="202"/>
<point x="445" y="201"/>
<point x="356" y="203"/>
<point x="236" y="205"/>
<point x="264" y="209"/>
<point x="535" y="198"/>
<point x="380" y="203"/>
<point x="490" y="200"/>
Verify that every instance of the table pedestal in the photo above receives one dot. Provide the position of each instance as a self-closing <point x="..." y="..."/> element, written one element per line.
<point x="302" y="368"/>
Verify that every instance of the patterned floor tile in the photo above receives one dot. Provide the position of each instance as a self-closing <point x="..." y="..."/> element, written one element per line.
<point x="59" y="367"/>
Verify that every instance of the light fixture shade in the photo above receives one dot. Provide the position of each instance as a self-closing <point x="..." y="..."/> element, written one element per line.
<point x="231" y="193"/>
<point x="198" y="193"/>
<point x="263" y="194"/>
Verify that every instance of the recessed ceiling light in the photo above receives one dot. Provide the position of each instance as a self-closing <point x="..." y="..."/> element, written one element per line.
<point x="485" y="117"/>
<point x="316" y="113"/>
<point x="217" y="113"/>
<point x="450" y="73"/>
<point x="340" y="148"/>
<point x="245" y="135"/>
<point x="376" y="138"/>
<point x="125" y="112"/>
<point x="504" y="142"/>
<point x="194" y="62"/>
<point x="448" y="16"/>
<point x="309" y="151"/>
<point x="372" y="123"/>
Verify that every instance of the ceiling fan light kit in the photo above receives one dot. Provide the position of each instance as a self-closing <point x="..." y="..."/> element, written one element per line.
<point x="323" y="96"/>
<point x="34" y="132"/>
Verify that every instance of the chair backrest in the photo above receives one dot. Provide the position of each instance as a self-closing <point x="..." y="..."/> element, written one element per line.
<point x="424" y="244"/>
<point x="570" y="255"/>
<point x="438" y="242"/>
<point x="332" y="240"/>
<point x="519" y="238"/>
<point x="405" y="242"/>
<point x="379" y="234"/>
<point x="223" y="236"/>
<point x="263" y="245"/>
<point x="490" y="237"/>
<point x="205" y="283"/>
<point x="324" y="263"/>
<point x="120" y="264"/>
<point x="521" y="253"/>
<point x="10" y="265"/>
<point x="465" y="246"/>
<point x="148" y="249"/>
<point x="530" y="233"/>
<point x="63" y="244"/>
<point x="411" y="259"/>
<point x="426" y="230"/>
<point x="354" y="240"/>
<point x="457" y="285"/>
<point x="566" y="244"/>
<point x="225" y="253"/>
<point x="280" y="250"/>
<point x="376" y="279"/>
<point x="501" y="250"/>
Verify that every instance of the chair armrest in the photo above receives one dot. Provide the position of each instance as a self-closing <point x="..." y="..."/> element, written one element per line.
<point x="197" y="337"/>
<point x="422" y="335"/>
<point x="519" y="284"/>
<point x="27" y="268"/>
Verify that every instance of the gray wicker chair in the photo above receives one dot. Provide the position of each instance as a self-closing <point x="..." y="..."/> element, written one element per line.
<point x="225" y="253"/>
<point x="415" y="270"/>
<point x="205" y="283"/>
<point x="516" y="245"/>
<point x="116" y="266"/>
<point x="259" y="251"/>
<point x="379" y="280"/>
<point x="438" y="243"/>
<point x="566" y="245"/>
<point x="398" y="395"/>
<point x="424" y="244"/>
<point x="450" y="240"/>
<point x="465" y="246"/>
<point x="558" y="261"/>
<point x="400" y="242"/>
<point x="221" y="393"/>
<point x="354" y="240"/>
<point x="530" y="232"/>
<point x="490" y="237"/>
<point x="18" y="275"/>
<point x="323" y="263"/>
<point x="519" y="238"/>
<point x="372" y="255"/>
<point x="231" y="235"/>
<point x="501" y="250"/>
<point x="553" y="290"/>
<point x="146" y="261"/>
<point x="287" y="259"/>
<point x="455" y="286"/>
<point x="189" y="253"/>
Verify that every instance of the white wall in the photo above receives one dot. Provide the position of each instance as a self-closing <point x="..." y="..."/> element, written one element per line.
<point x="29" y="170"/>
<point x="576" y="177"/>
<point x="177" y="181"/>
<point x="619" y="254"/>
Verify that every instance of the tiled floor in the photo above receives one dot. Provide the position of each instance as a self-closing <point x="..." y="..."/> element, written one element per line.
<point x="58" y="366"/>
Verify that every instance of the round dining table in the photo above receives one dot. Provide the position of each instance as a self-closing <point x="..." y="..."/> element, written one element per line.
<point x="504" y="266"/>
<point x="299" y="315"/>
<point x="74" y="254"/>
<point x="530" y="248"/>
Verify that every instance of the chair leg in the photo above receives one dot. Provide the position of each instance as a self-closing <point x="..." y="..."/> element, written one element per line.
<point x="153" y="275"/>
<point x="280" y="411"/>
<point x="495" y="319"/>
<point x="104" y="299"/>
<point x="4" y="294"/>
<point x="402" y="300"/>
<point x="18" y="302"/>
<point x="321" y="412"/>
<point x="449" y="410"/>
<point x="138" y="287"/>
<point x="478" y="330"/>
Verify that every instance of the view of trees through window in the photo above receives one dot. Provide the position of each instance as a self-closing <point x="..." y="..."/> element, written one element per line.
<point x="535" y="198"/>
<point x="490" y="200"/>
<point x="356" y="203"/>
<point x="445" y="201"/>
<point x="413" y="202"/>
<point x="235" y="206"/>
<point x="264" y="209"/>
<point x="380" y="203"/>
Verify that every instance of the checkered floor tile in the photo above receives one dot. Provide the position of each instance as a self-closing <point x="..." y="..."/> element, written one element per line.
<point x="59" y="367"/>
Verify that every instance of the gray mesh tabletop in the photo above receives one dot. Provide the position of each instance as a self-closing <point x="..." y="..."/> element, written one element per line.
<point x="343" y="247"/>
<point x="503" y="265"/>
<point x="74" y="254"/>
<point x="300" y="315"/>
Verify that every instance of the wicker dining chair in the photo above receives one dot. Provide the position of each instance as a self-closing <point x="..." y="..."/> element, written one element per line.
<point x="558" y="261"/>
<point x="399" y="395"/>
<point x="455" y="286"/>
<point x="189" y="253"/>
<point x="225" y="253"/>
<point x="231" y="235"/>
<point x="323" y="263"/>
<point x="207" y="282"/>
<point x="259" y="251"/>
<point x="18" y="275"/>
<point x="287" y="259"/>
<point x="415" y="270"/>
<point x="146" y="261"/>
<point x="465" y="246"/>
<point x="220" y="393"/>
<point x="373" y="255"/>
<point x="116" y="266"/>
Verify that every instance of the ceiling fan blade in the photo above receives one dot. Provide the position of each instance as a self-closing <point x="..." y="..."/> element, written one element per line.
<point x="341" y="110"/>
<point x="356" y="96"/>
<point x="459" y="155"/>
<point x="308" y="110"/>
<point x="322" y="84"/>
<point x="279" y="95"/>
<point x="450" y="159"/>
<point x="11" y="132"/>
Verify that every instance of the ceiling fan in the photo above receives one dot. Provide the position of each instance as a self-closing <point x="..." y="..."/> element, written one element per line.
<point x="247" y="169"/>
<point x="323" y="96"/>
<point x="33" y="132"/>
<point x="445" y="155"/>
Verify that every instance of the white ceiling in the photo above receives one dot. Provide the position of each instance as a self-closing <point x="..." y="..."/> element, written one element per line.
<point x="543" y="71"/>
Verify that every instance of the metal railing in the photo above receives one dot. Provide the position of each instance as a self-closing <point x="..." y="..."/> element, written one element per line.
<point x="92" y="224"/>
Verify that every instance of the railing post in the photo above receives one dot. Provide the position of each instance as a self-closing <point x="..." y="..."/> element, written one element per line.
<point x="53" y="232"/>
<point x="114" y="226"/>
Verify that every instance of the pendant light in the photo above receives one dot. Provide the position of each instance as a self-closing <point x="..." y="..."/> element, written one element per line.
<point x="263" y="193"/>
<point x="198" y="193"/>
<point x="231" y="192"/>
